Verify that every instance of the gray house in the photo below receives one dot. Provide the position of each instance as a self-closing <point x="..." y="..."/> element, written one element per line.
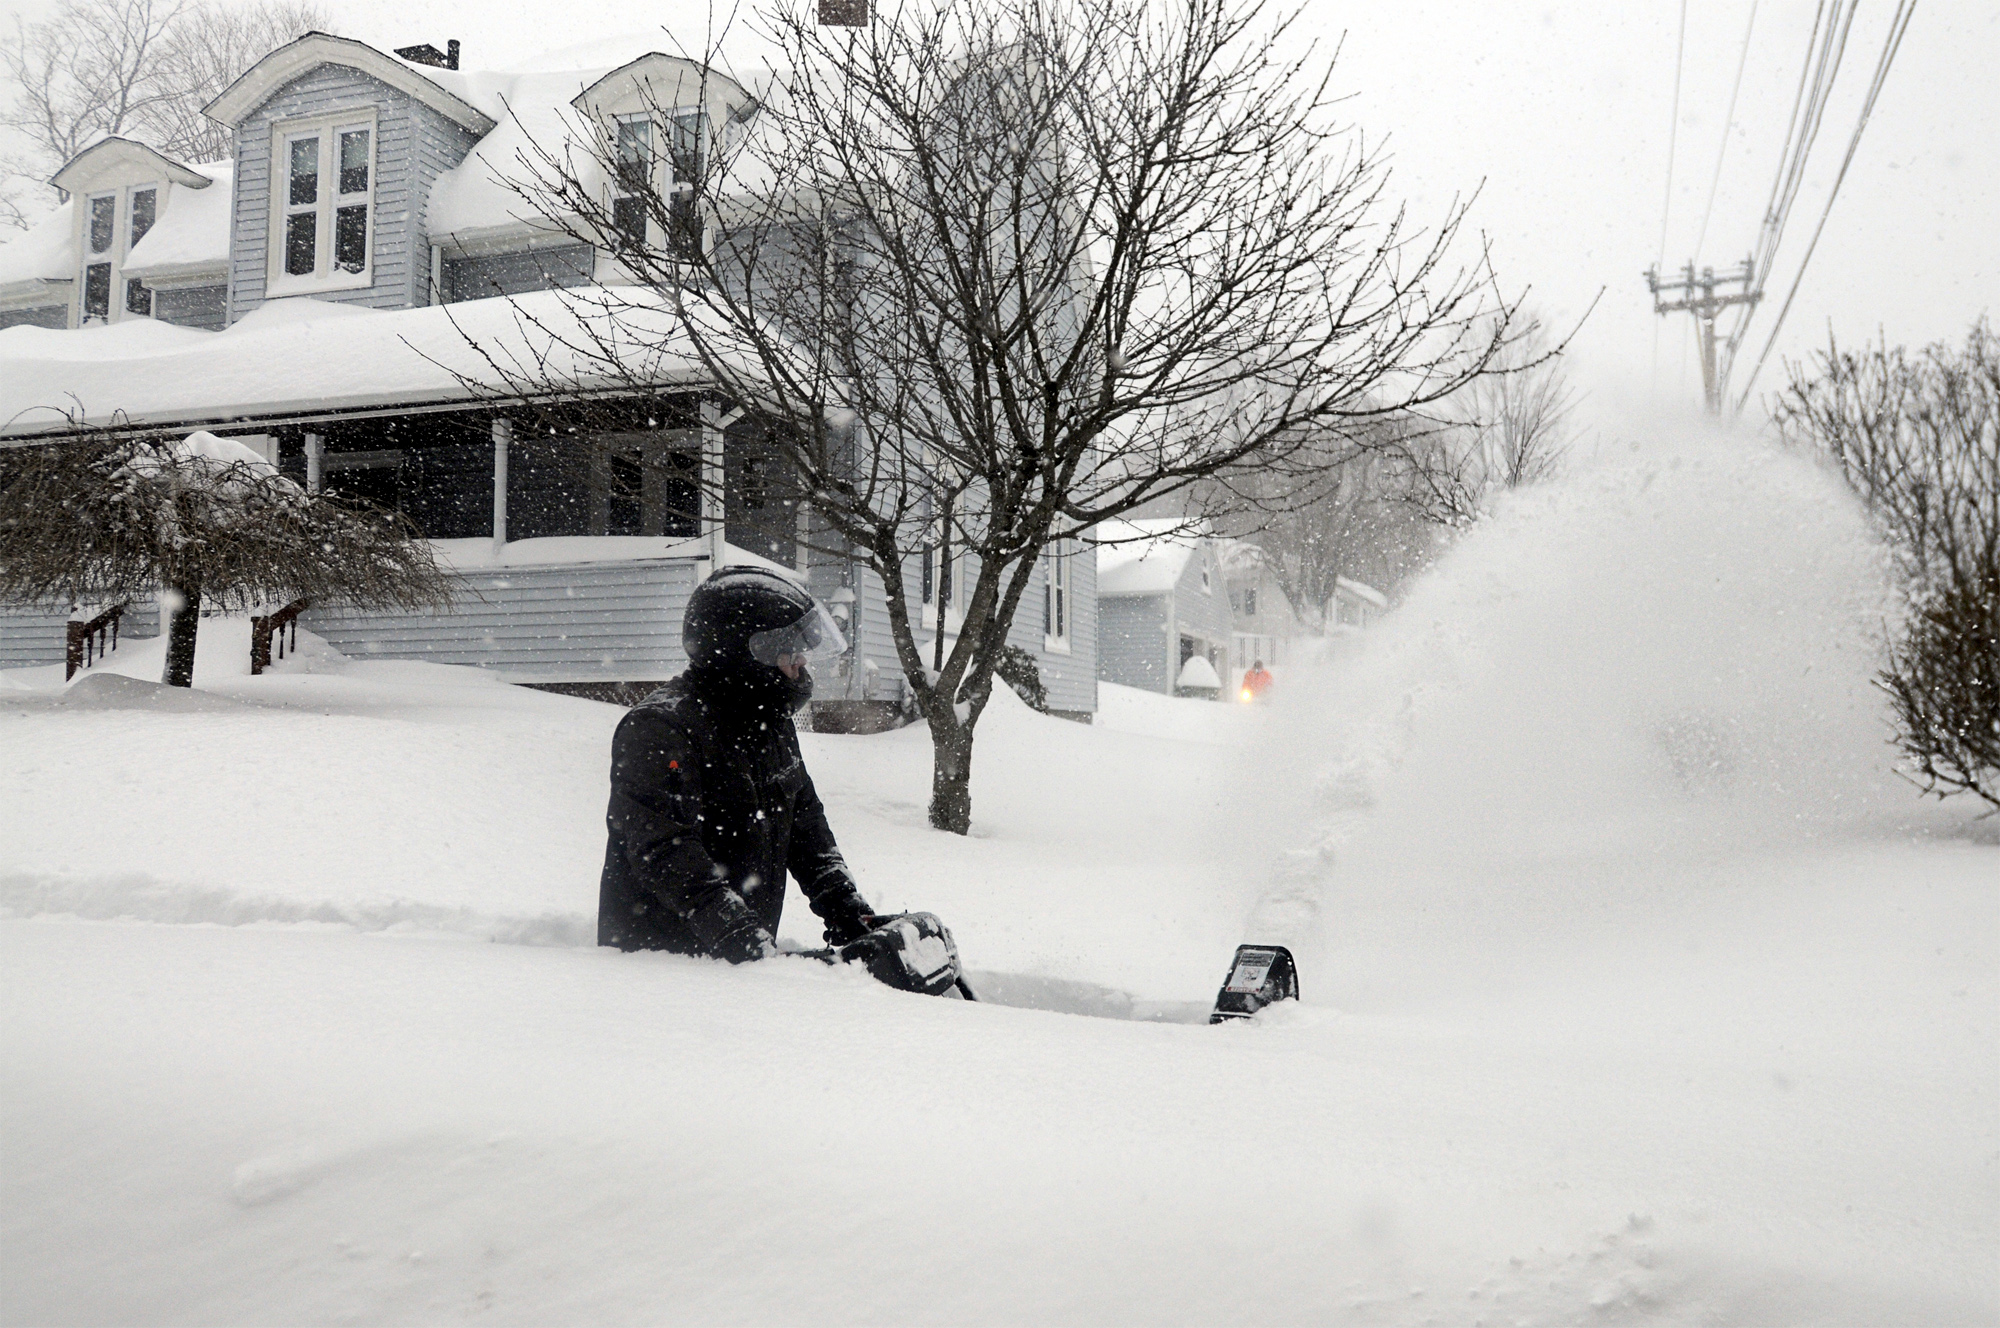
<point x="1162" y="602"/>
<point x="336" y="297"/>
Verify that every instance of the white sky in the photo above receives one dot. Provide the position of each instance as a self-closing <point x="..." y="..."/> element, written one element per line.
<point x="1562" y="109"/>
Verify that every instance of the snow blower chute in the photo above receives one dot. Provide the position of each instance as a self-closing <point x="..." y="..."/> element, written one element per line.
<point x="1260" y="975"/>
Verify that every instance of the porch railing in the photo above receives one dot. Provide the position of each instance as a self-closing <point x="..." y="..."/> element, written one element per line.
<point x="91" y="641"/>
<point x="265" y="626"/>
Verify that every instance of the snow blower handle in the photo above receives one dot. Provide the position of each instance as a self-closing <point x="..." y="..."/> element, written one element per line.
<point x="907" y="951"/>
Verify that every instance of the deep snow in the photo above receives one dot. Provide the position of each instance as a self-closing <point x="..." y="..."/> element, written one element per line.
<point x="1637" y="990"/>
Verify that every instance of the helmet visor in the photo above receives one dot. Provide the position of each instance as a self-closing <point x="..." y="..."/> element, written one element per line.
<point x="813" y="637"/>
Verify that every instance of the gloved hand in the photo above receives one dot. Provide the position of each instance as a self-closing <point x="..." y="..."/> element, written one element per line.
<point x="849" y="925"/>
<point x="729" y="930"/>
<point x="744" y="944"/>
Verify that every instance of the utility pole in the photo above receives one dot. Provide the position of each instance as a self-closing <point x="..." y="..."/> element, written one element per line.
<point x="1698" y="297"/>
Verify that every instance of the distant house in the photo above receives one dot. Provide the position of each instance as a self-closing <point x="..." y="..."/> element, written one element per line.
<point x="315" y="298"/>
<point x="1162" y="600"/>
<point x="1265" y="625"/>
<point x="1356" y="604"/>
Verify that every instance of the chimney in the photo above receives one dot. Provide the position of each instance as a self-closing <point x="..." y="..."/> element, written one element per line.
<point x="431" y="55"/>
<point x="844" y="13"/>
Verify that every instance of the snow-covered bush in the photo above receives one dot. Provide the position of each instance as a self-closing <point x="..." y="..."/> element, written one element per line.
<point x="1918" y="437"/>
<point x="202" y="519"/>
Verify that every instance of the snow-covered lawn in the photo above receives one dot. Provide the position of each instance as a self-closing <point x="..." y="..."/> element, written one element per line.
<point x="1636" y="992"/>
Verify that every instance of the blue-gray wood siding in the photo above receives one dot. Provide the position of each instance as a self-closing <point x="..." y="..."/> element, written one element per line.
<point x="1133" y="641"/>
<point x="33" y="637"/>
<point x="1203" y="612"/>
<point x="414" y="145"/>
<point x="518" y="273"/>
<point x="205" y="307"/>
<point x="583" y="622"/>
<point x="47" y="315"/>
<point x="1070" y="678"/>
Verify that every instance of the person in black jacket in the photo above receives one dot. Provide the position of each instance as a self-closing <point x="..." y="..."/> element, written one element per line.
<point x="711" y="804"/>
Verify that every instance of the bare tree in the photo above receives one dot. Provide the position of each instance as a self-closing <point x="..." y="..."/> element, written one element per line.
<point x="1354" y="522"/>
<point x="1918" y="437"/>
<point x="1508" y="428"/>
<point x="988" y="275"/>
<point x="136" y="68"/>
<point x="208" y="48"/>
<point x="104" y="519"/>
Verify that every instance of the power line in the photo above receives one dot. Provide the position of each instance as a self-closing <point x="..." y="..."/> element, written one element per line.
<point x="1898" y="25"/>
<point x="1673" y="130"/>
<point x="1728" y="121"/>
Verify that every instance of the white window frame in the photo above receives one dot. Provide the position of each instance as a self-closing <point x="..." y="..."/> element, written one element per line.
<point x="325" y="207"/>
<point x="1058" y="598"/>
<point x="661" y="124"/>
<point x="114" y="255"/>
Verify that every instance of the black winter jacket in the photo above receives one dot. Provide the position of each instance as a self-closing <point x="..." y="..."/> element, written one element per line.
<point x="710" y="806"/>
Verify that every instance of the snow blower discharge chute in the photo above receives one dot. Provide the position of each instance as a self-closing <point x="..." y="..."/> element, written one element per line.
<point x="1260" y="975"/>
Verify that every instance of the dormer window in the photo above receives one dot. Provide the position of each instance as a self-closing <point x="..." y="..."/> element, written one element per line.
<point x="663" y="156"/>
<point x="325" y="202"/>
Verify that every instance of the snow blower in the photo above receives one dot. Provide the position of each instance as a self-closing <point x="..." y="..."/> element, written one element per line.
<point x="907" y="951"/>
<point x="1260" y="975"/>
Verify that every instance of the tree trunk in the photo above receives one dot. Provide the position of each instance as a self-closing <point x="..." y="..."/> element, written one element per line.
<point x="181" y="630"/>
<point x="951" y="772"/>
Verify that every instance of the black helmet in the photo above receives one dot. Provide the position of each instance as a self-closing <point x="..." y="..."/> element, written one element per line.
<point x="739" y="603"/>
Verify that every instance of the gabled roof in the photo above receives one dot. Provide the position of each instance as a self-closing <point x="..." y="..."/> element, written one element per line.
<point x="431" y="87"/>
<point x="1144" y="557"/>
<point x="668" y="80"/>
<point x="122" y="160"/>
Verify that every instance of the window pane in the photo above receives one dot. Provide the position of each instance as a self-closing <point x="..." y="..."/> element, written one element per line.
<point x="635" y="155"/>
<point x="354" y="162"/>
<point x="305" y="171"/>
<point x="138" y="300"/>
<point x="143" y="202"/>
<point x="350" y="239"/>
<point x="684" y="240"/>
<point x="103" y="212"/>
<point x="97" y="290"/>
<point x="628" y="215"/>
<point x="301" y="243"/>
<point x="685" y="145"/>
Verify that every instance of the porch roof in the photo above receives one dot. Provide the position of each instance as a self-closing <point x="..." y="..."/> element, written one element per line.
<point x="297" y="360"/>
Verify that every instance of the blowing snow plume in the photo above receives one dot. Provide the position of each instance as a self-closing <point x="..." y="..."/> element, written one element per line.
<point x="1668" y="654"/>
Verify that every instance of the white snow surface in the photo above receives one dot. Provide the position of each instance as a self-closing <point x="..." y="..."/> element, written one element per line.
<point x="302" y="353"/>
<point x="46" y="251"/>
<point x="194" y="228"/>
<point x="1637" y="991"/>
<point x="1143" y="557"/>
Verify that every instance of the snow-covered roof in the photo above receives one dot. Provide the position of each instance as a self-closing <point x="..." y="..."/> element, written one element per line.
<point x="1143" y="557"/>
<point x="444" y="91"/>
<point x="1362" y="590"/>
<point x="44" y="253"/>
<point x="192" y="233"/>
<point x="540" y="122"/>
<point x="298" y="357"/>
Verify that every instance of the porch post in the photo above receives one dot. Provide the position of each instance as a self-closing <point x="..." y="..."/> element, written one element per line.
<point x="503" y="434"/>
<point x="315" y="461"/>
<point x="713" y="509"/>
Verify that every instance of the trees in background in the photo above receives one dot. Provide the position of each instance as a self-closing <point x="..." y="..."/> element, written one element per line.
<point x="202" y="519"/>
<point x="1918" y="437"/>
<point x="989" y="274"/>
<point x="139" y="69"/>
<point x="1508" y="428"/>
